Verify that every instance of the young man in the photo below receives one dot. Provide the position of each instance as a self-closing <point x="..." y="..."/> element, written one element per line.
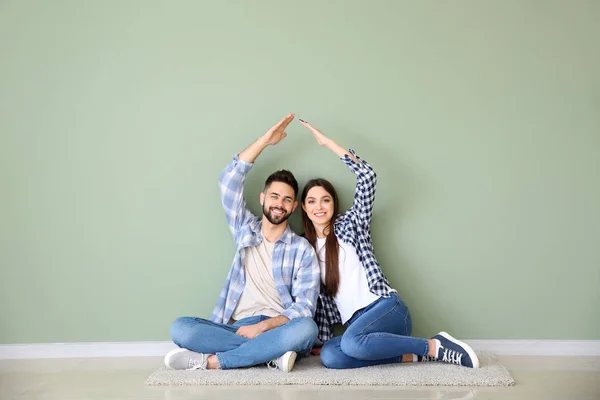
<point x="264" y="313"/>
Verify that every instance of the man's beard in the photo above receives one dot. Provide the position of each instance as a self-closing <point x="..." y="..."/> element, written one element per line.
<point x="275" y="219"/>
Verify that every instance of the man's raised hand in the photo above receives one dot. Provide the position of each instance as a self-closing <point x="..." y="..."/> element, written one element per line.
<point x="277" y="132"/>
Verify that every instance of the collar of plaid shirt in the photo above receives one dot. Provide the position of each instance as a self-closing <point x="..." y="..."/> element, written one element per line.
<point x="256" y="228"/>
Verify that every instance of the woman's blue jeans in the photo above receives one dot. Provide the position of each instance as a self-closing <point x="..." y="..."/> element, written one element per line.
<point x="377" y="334"/>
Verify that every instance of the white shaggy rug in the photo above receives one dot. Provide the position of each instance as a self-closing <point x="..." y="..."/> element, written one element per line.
<point x="310" y="371"/>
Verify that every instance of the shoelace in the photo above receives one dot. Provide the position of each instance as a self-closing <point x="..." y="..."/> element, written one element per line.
<point x="196" y="363"/>
<point x="452" y="356"/>
<point x="272" y="364"/>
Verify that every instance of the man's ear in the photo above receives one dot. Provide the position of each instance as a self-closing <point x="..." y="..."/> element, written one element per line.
<point x="295" y="205"/>
<point x="262" y="198"/>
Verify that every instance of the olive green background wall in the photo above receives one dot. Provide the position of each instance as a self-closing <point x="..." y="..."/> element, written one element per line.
<point x="482" y="120"/>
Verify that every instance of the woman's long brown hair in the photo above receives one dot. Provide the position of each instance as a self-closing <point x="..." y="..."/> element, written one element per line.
<point x="332" y="269"/>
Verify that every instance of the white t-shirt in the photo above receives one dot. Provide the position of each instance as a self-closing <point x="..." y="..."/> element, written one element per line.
<point x="353" y="291"/>
<point x="260" y="295"/>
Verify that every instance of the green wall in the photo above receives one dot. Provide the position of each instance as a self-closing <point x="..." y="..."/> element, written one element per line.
<point x="482" y="120"/>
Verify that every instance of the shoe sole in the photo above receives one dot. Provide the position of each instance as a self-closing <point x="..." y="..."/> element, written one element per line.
<point x="171" y="354"/>
<point x="288" y="363"/>
<point x="469" y="350"/>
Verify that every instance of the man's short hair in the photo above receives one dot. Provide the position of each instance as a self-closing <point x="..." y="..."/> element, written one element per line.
<point x="284" y="176"/>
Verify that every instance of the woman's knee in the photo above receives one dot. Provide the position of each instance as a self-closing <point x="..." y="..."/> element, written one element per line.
<point x="332" y="356"/>
<point x="352" y="346"/>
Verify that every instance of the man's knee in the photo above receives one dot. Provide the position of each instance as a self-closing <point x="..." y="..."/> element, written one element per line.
<point x="305" y="333"/>
<point x="306" y="327"/>
<point x="180" y="331"/>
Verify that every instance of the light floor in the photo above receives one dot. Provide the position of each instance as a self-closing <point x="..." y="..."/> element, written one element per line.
<point x="548" y="378"/>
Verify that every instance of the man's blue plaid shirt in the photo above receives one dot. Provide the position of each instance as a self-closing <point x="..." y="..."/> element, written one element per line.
<point x="354" y="228"/>
<point x="295" y="267"/>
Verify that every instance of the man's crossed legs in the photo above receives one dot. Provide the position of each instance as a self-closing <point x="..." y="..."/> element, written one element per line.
<point x="205" y="338"/>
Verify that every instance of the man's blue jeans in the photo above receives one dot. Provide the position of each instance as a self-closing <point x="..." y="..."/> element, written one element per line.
<point x="234" y="351"/>
<point x="376" y="334"/>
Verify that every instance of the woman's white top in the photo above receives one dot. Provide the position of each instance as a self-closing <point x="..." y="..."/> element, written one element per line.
<point x="353" y="291"/>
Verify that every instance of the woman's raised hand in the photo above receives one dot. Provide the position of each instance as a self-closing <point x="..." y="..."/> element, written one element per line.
<point x="319" y="137"/>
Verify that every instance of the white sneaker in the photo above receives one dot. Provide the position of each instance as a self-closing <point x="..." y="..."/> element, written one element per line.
<point x="285" y="363"/>
<point x="184" y="359"/>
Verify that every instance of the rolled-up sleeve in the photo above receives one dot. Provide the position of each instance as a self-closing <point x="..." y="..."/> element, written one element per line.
<point x="364" y="195"/>
<point x="231" y="186"/>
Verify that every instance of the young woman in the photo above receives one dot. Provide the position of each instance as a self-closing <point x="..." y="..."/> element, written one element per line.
<point x="355" y="291"/>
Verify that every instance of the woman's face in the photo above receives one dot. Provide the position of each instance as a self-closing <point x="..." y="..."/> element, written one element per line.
<point x="318" y="205"/>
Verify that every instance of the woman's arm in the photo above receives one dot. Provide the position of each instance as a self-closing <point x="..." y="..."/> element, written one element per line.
<point x="327" y="142"/>
<point x="366" y="179"/>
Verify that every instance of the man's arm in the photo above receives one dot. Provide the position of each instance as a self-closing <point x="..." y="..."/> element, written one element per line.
<point x="231" y="180"/>
<point x="272" y="137"/>
<point x="252" y="331"/>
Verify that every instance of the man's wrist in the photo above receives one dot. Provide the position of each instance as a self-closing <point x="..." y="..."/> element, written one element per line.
<point x="262" y="141"/>
<point x="263" y="326"/>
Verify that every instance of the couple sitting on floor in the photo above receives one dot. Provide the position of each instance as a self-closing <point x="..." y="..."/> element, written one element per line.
<point x="284" y="292"/>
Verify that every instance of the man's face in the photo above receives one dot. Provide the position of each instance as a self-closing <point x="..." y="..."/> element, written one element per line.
<point x="278" y="202"/>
